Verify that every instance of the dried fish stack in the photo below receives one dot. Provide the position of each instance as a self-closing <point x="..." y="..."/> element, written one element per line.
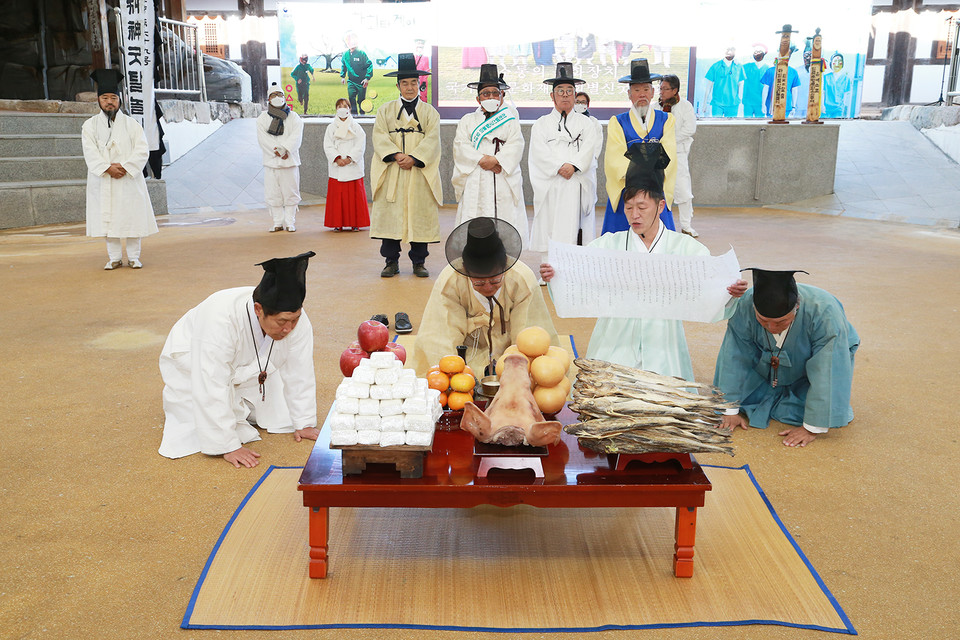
<point x="625" y="410"/>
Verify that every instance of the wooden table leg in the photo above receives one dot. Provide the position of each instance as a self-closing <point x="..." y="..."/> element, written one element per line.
<point x="686" y="532"/>
<point x="319" y="531"/>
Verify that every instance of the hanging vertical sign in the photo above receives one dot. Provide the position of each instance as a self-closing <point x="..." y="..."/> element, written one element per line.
<point x="137" y="25"/>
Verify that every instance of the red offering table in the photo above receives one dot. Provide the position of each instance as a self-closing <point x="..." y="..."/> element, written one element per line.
<point x="572" y="477"/>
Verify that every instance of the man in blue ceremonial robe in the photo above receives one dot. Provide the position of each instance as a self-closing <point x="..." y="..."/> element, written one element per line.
<point x="788" y="356"/>
<point x="641" y="124"/>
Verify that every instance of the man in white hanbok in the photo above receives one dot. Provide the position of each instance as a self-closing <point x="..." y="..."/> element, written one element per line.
<point x="562" y="146"/>
<point x="241" y="358"/>
<point x="487" y="150"/>
<point x="650" y="344"/>
<point x="279" y="134"/>
<point x="685" y="118"/>
<point x="115" y="150"/>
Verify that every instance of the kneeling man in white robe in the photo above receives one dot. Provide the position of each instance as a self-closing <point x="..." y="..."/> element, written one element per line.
<point x="241" y="358"/>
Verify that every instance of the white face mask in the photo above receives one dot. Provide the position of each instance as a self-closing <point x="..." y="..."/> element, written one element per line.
<point x="490" y="105"/>
<point x="580" y="108"/>
<point x="343" y="112"/>
<point x="277" y="101"/>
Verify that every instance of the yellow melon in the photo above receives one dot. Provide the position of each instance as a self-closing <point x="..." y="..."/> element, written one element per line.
<point x="533" y="341"/>
<point x="547" y="371"/>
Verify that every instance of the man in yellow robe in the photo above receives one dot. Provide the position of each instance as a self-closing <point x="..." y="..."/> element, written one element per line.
<point x="482" y="299"/>
<point x="405" y="173"/>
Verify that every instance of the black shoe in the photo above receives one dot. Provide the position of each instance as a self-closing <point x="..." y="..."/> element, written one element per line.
<point x="382" y="319"/>
<point x="392" y="269"/>
<point x="420" y="271"/>
<point x="401" y="322"/>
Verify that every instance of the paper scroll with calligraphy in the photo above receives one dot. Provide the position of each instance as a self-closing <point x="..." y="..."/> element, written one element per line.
<point x="590" y="283"/>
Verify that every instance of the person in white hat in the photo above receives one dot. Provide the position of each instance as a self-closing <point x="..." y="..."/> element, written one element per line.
<point x="279" y="134"/>
<point x="115" y="150"/>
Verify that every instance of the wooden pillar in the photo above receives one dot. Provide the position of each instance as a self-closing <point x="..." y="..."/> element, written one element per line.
<point x="253" y="55"/>
<point x="96" y="11"/>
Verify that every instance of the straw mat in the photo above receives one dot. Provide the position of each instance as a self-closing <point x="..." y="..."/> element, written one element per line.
<point x="510" y="570"/>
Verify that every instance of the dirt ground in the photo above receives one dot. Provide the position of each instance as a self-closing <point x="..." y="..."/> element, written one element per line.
<point x="103" y="537"/>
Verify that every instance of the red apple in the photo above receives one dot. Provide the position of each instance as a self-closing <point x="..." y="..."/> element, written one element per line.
<point x="354" y="345"/>
<point x="372" y="336"/>
<point x="350" y="358"/>
<point x="397" y="350"/>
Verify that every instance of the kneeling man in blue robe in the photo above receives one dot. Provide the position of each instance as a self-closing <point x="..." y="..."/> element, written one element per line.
<point x="788" y="356"/>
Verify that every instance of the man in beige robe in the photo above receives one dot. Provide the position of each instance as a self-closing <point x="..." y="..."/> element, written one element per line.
<point x="459" y="309"/>
<point x="405" y="173"/>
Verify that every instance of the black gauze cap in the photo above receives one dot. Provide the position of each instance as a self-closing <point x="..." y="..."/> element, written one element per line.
<point x="108" y="81"/>
<point x="483" y="247"/>
<point x="774" y="292"/>
<point x="647" y="163"/>
<point x="284" y="283"/>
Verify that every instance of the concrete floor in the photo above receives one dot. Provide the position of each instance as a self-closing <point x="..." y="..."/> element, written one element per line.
<point x="103" y="537"/>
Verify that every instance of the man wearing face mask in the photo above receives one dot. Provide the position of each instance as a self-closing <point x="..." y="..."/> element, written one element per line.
<point x="562" y="148"/>
<point x="487" y="150"/>
<point x="405" y="173"/>
<point x="115" y="151"/>
<point x="642" y="123"/>
<point x="723" y="86"/>
<point x="752" y="87"/>
<point x="279" y="134"/>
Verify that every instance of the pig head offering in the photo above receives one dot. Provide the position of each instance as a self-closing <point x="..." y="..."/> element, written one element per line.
<point x="512" y="417"/>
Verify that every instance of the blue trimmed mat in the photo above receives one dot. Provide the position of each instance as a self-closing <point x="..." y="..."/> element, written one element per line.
<point x="549" y="570"/>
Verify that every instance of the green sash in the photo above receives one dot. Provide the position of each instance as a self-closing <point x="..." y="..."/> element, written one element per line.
<point x="494" y="122"/>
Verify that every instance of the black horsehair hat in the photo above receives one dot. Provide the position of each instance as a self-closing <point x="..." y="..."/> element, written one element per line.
<point x="406" y="68"/>
<point x="483" y="247"/>
<point x="564" y="75"/>
<point x="488" y="78"/>
<point x="284" y="283"/>
<point x="108" y="81"/>
<point x="774" y="292"/>
<point x="639" y="73"/>
<point x="647" y="163"/>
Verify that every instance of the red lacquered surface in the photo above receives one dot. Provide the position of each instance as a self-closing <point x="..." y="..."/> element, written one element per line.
<point x="573" y="477"/>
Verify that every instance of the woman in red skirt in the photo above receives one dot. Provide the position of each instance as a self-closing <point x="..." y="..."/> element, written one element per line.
<point x="344" y="143"/>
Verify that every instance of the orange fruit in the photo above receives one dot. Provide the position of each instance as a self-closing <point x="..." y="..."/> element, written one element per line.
<point x="457" y="400"/>
<point x="533" y="341"/>
<point x="550" y="399"/>
<point x="435" y="367"/>
<point x="438" y="380"/>
<point x="547" y="371"/>
<point x="462" y="382"/>
<point x="443" y="399"/>
<point x="560" y="354"/>
<point x="452" y="364"/>
<point x="469" y="371"/>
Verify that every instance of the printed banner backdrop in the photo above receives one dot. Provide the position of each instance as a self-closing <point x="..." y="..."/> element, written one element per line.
<point x="137" y="18"/>
<point x="322" y="31"/>
<point x="526" y="39"/>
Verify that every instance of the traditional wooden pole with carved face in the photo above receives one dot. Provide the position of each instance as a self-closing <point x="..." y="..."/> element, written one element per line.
<point x="816" y="81"/>
<point x="780" y="87"/>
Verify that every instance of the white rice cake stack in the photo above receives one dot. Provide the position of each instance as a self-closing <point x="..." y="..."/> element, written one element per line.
<point x="342" y="388"/>
<point x="368" y="407"/>
<point x="368" y="423"/>
<point x="347" y="438"/>
<point x="383" y="359"/>
<point x="392" y="438"/>
<point x="391" y="407"/>
<point x="347" y="405"/>
<point x="404" y="389"/>
<point x="368" y="436"/>
<point x="389" y="375"/>
<point x="408" y="375"/>
<point x="391" y="423"/>
<point x="422" y="385"/>
<point x="419" y="438"/>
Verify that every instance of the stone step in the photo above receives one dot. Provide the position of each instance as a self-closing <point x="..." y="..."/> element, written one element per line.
<point x="40" y="144"/>
<point x="42" y="168"/>
<point x="27" y="204"/>
<point x="19" y="123"/>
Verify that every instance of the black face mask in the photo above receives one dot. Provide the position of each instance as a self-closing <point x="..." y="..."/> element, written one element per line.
<point x="759" y="56"/>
